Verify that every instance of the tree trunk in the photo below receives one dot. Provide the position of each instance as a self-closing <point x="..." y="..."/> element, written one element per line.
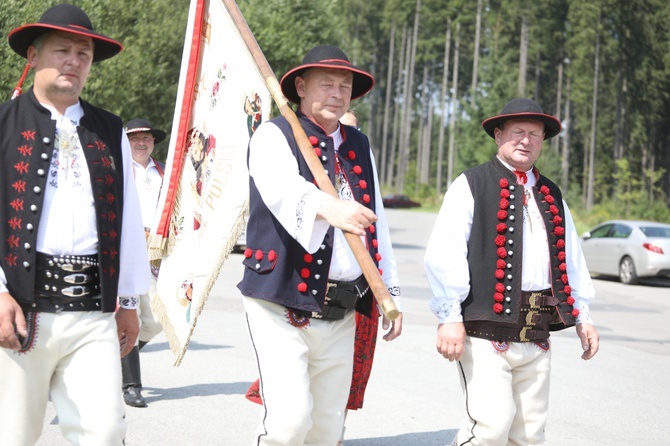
<point x="397" y="114"/>
<point x="538" y="64"/>
<point x="565" y="159"/>
<point x="387" y="107"/>
<point x="407" y="125"/>
<point x="594" y="122"/>
<point x="523" y="57"/>
<point x="423" y="120"/>
<point x="443" y="103"/>
<point x="454" y="105"/>
<point x="475" y="55"/>
<point x="427" y="137"/>
<point x="559" y="87"/>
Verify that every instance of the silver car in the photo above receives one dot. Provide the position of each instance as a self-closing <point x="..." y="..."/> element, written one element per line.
<point x="628" y="249"/>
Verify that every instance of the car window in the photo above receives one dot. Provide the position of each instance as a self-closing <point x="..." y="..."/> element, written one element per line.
<point x="655" y="232"/>
<point x="601" y="231"/>
<point x="621" y="231"/>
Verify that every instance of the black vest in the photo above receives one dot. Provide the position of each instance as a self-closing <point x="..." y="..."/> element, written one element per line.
<point x="278" y="269"/>
<point x="27" y="135"/>
<point x="496" y="245"/>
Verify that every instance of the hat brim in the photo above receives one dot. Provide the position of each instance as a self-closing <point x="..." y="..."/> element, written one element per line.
<point x="159" y="135"/>
<point x="552" y="126"/>
<point x="20" y="39"/>
<point x="362" y="84"/>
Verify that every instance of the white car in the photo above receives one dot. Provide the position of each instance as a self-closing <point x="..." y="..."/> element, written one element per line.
<point x="628" y="249"/>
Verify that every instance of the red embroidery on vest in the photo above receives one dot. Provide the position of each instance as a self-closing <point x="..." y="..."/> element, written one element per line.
<point x="26" y="150"/>
<point x="28" y="134"/>
<point x="13" y="241"/>
<point x="106" y="162"/>
<point x="14" y="223"/>
<point x="11" y="259"/>
<point x="110" y="198"/>
<point x="100" y="145"/>
<point x="17" y="204"/>
<point x="109" y="180"/>
<point x="22" y="167"/>
<point x="113" y="252"/>
<point x="19" y="186"/>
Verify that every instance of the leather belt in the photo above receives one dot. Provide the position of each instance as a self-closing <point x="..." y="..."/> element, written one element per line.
<point x="341" y="297"/>
<point x="66" y="283"/>
<point x="535" y="314"/>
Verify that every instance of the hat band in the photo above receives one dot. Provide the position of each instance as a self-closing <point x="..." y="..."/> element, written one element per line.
<point x="79" y="27"/>
<point x="335" y="60"/>
<point x="139" y="129"/>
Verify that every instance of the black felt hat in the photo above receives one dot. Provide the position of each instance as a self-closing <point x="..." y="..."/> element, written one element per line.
<point x="142" y="125"/>
<point x="326" y="56"/>
<point x="521" y="108"/>
<point x="67" y="18"/>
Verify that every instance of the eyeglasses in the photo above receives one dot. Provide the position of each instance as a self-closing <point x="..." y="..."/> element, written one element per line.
<point x="144" y="139"/>
<point x="520" y="134"/>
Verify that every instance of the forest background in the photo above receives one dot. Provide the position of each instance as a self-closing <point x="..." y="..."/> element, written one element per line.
<point x="441" y="67"/>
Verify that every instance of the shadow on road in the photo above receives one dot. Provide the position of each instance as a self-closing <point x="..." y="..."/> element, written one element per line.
<point x="437" y="438"/>
<point x="196" y="390"/>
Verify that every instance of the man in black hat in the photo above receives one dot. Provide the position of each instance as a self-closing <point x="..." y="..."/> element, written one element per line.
<point x="71" y="242"/>
<point x="148" y="179"/>
<point x="505" y="268"/>
<point x="302" y="284"/>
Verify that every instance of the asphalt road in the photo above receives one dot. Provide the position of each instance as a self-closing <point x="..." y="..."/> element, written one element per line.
<point x="414" y="397"/>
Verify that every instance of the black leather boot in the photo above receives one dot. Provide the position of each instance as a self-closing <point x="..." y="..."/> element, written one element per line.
<point x="132" y="379"/>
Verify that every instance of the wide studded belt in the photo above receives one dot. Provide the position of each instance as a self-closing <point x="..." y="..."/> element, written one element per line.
<point x="342" y="296"/>
<point x="66" y="283"/>
<point x="536" y="312"/>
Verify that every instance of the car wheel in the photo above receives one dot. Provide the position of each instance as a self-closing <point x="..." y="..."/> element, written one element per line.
<point x="627" y="272"/>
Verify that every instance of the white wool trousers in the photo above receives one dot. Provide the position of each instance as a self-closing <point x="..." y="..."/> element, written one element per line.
<point x="506" y="389"/>
<point x="74" y="359"/>
<point x="305" y="375"/>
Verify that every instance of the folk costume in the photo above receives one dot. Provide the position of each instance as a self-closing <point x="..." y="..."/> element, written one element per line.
<point x="148" y="181"/>
<point x="302" y="285"/>
<point x="71" y="242"/>
<point x="505" y="260"/>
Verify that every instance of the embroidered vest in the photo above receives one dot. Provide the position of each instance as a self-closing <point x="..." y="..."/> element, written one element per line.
<point x="496" y="245"/>
<point x="278" y="269"/>
<point x="27" y="135"/>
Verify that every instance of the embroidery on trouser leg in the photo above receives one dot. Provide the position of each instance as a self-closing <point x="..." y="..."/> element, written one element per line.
<point x="543" y="345"/>
<point x="296" y="319"/>
<point x="500" y="346"/>
<point x="28" y="342"/>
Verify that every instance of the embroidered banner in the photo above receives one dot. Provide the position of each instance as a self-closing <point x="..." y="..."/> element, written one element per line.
<point x="221" y="101"/>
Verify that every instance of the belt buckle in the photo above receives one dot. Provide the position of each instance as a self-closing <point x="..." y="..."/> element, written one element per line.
<point x="529" y="317"/>
<point x="77" y="278"/>
<point x="522" y="334"/>
<point x="75" y="291"/>
<point x="71" y="267"/>
<point x="532" y="300"/>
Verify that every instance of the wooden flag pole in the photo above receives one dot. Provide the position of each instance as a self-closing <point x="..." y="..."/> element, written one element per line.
<point x="362" y="255"/>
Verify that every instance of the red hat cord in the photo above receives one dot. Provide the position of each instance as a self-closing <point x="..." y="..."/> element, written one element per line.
<point x="18" y="89"/>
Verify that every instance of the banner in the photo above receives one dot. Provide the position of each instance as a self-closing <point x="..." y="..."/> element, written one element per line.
<point x="222" y="98"/>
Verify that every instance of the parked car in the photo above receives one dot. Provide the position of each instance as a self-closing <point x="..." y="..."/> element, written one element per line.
<point x="399" y="201"/>
<point x="628" y="249"/>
